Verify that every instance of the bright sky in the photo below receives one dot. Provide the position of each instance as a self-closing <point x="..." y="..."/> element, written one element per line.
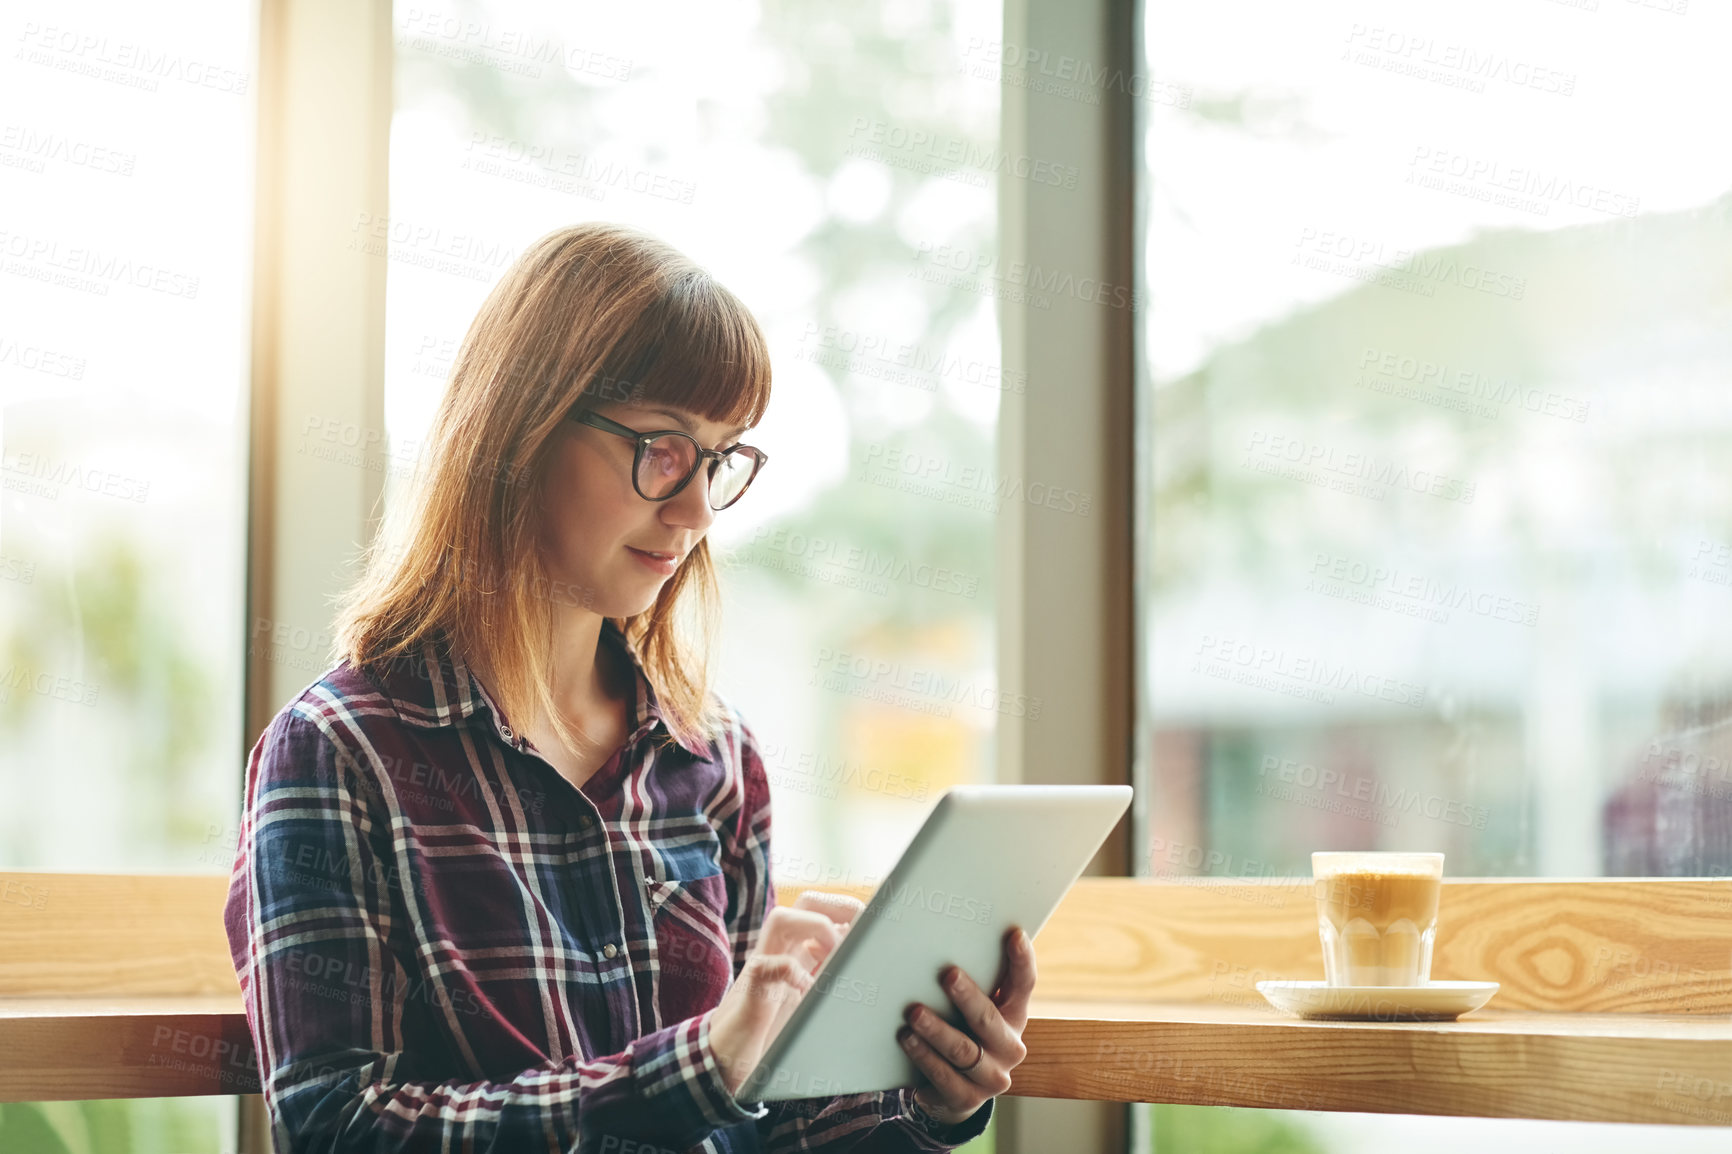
<point x="1645" y="119"/>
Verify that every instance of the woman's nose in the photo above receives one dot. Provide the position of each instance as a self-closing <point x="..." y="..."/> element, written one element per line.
<point x="690" y="507"/>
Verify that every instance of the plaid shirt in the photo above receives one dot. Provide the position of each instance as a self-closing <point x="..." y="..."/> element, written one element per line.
<point x="444" y="945"/>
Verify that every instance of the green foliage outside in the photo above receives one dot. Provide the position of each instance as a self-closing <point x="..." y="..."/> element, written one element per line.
<point x="115" y="1126"/>
<point x="1227" y="1130"/>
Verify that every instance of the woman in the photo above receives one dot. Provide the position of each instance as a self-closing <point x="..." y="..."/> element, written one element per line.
<point x="503" y="881"/>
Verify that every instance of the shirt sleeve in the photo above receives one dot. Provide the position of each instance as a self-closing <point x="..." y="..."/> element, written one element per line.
<point x="340" y="1009"/>
<point x="867" y="1123"/>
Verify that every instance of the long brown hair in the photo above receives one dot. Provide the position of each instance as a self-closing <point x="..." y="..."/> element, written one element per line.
<point x="587" y="314"/>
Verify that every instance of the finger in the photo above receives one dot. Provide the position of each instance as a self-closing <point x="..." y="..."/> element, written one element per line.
<point x="961" y="1095"/>
<point x="774" y="983"/>
<point x="787" y="927"/>
<point x="986" y="1021"/>
<point x="956" y="1046"/>
<point x="841" y="908"/>
<point x="1015" y="985"/>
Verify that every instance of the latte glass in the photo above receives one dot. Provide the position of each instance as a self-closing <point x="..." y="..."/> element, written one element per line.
<point x="1377" y="916"/>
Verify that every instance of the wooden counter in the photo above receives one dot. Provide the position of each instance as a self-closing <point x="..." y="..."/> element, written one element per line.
<point x="1586" y="1067"/>
<point x="1616" y="1003"/>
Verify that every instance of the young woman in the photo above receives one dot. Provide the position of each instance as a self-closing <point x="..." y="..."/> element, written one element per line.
<point x="503" y="881"/>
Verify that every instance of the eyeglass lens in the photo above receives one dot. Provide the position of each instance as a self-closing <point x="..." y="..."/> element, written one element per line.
<point x="669" y="460"/>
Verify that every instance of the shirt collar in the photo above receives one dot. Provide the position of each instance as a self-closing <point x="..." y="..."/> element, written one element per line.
<point x="434" y="688"/>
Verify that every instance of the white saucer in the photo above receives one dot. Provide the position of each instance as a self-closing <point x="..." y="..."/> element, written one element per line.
<point x="1434" y="1002"/>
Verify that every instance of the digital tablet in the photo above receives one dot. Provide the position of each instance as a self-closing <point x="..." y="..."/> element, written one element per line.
<point x="987" y="857"/>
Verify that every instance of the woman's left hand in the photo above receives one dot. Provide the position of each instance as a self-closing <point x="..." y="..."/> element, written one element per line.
<point x="968" y="1066"/>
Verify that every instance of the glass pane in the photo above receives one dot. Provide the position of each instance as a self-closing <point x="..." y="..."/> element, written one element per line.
<point x="1436" y="396"/>
<point x="808" y="156"/>
<point x="126" y="174"/>
<point x="1228" y="1130"/>
<point x="1438" y="367"/>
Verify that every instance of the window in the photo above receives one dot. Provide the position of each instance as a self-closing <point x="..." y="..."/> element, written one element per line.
<point x="816" y="159"/>
<point x="1435" y="415"/>
<point x="1436" y="369"/>
<point x="125" y="281"/>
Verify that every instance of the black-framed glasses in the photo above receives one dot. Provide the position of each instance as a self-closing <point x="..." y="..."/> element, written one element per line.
<point x="667" y="459"/>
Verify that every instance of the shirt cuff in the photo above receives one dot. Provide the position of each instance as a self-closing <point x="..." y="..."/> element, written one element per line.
<point x="966" y="1130"/>
<point x="679" y="1079"/>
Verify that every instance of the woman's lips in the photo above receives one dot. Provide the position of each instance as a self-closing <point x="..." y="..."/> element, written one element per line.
<point x="664" y="564"/>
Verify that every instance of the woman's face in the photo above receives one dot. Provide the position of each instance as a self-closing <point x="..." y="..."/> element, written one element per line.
<point x="597" y="531"/>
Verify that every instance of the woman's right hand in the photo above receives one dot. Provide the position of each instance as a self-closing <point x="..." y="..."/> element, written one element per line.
<point x="792" y="944"/>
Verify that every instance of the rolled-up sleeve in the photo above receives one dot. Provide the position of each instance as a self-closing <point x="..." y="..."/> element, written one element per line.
<point x="342" y="1011"/>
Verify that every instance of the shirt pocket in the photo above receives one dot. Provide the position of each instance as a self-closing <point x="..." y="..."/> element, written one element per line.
<point x="695" y="888"/>
<point x="694" y="951"/>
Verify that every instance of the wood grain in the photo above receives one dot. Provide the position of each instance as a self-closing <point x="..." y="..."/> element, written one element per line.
<point x="1611" y="945"/>
<point x="1655" y="946"/>
<point x="113" y="935"/>
<point x="79" y="1048"/>
<point x="1593" y="1068"/>
<point x="1588" y="1067"/>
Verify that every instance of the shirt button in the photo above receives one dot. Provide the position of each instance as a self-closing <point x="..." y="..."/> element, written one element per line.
<point x="609" y="950"/>
<point x="505" y="732"/>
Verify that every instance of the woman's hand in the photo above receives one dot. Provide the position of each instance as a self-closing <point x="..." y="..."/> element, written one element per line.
<point x="792" y="944"/>
<point x="966" y="1067"/>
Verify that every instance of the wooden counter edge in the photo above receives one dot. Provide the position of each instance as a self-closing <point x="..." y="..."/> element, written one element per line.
<point x="1598" y="1068"/>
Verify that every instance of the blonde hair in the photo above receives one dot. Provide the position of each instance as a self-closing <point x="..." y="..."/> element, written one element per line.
<point x="587" y="314"/>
